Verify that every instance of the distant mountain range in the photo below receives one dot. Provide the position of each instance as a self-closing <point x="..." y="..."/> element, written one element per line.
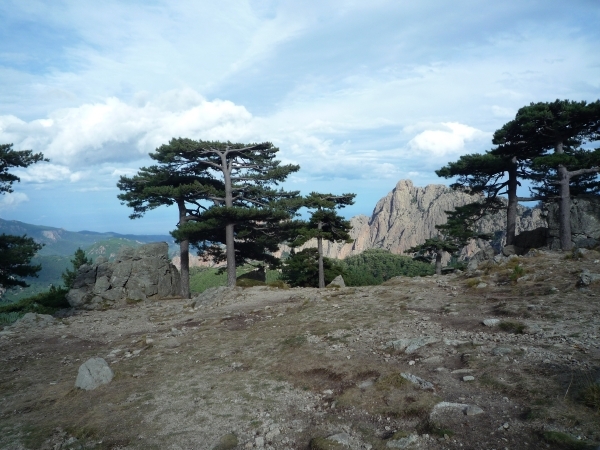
<point x="58" y="241"/>
<point x="60" y="245"/>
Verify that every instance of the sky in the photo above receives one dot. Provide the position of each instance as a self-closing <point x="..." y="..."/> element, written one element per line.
<point x="359" y="94"/>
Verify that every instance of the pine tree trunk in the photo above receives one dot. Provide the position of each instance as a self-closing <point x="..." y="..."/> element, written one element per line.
<point x="230" y="252"/>
<point x="564" y="203"/>
<point x="513" y="203"/>
<point x="321" y="268"/>
<point x="438" y="262"/>
<point x="184" y="254"/>
<point x="229" y="231"/>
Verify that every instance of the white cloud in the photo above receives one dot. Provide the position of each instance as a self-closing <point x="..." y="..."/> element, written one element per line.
<point x="113" y="130"/>
<point x="10" y="200"/>
<point x="448" y="141"/>
<point x="45" y="172"/>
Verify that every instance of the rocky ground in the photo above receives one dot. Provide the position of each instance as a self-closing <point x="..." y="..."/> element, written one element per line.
<point x="409" y="364"/>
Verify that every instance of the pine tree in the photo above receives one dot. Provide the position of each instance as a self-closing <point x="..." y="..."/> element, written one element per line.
<point x="16" y="252"/>
<point x="69" y="275"/>
<point x="177" y="179"/>
<point x="10" y="158"/>
<point x="324" y="224"/>
<point x="552" y="135"/>
<point x="458" y="230"/>
<point x="246" y="210"/>
<point x="491" y="175"/>
<point x="302" y="268"/>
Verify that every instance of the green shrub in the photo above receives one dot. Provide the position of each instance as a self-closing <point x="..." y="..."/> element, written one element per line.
<point x="374" y="266"/>
<point x="44" y="303"/>
<point x="565" y="441"/>
<point x="10" y="317"/>
<point x="302" y="269"/>
<point x="517" y="272"/>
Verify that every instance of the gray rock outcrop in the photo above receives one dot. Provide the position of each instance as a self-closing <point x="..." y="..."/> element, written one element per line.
<point x="408" y="215"/>
<point x="135" y="275"/>
<point x="585" y="222"/>
<point x="586" y="278"/>
<point x="337" y="281"/>
<point x="34" y="320"/>
<point x="93" y="373"/>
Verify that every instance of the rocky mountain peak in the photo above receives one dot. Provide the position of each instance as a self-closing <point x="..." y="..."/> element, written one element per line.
<point x="408" y="214"/>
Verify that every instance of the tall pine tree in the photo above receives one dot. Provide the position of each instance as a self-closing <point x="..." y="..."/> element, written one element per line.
<point x="177" y="179"/>
<point x="247" y="210"/>
<point x="551" y="134"/>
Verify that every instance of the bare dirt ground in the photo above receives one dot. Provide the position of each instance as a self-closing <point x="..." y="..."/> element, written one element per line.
<point x="287" y="369"/>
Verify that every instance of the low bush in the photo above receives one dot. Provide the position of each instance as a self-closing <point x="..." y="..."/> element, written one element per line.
<point x="249" y="282"/>
<point x="44" y="303"/>
<point x="374" y="266"/>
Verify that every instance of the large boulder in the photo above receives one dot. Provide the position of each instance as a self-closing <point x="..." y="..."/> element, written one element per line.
<point x="585" y="222"/>
<point x="136" y="275"/>
<point x="93" y="373"/>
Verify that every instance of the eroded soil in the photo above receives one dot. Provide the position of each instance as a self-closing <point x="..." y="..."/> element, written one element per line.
<point x="278" y="368"/>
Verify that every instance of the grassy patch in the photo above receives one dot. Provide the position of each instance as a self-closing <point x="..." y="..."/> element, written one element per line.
<point x="294" y="341"/>
<point x="512" y="326"/>
<point x="320" y="443"/>
<point x="249" y="282"/>
<point x="227" y="442"/>
<point x="517" y="272"/>
<point x="565" y="441"/>
<point x="590" y="396"/>
<point x="472" y="282"/>
<point x="391" y="381"/>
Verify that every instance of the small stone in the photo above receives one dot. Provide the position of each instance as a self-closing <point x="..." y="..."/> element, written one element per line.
<point x="412" y="345"/>
<point x="425" y="385"/>
<point x="501" y="351"/>
<point x="271" y="434"/>
<point x="364" y="384"/>
<point x="491" y="322"/>
<point x="506" y="426"/>
<point x="469" y="378"/>
<point x="259" y="442"/>
<point x="481" y="285"/>
<point x="403" y="442"/>
<point x="473" y="410"/>
<point x="411" y="363"/>
<point x="328" y="392"/>
<point x="340" y="438"/>
<point x="171" y="342"/>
